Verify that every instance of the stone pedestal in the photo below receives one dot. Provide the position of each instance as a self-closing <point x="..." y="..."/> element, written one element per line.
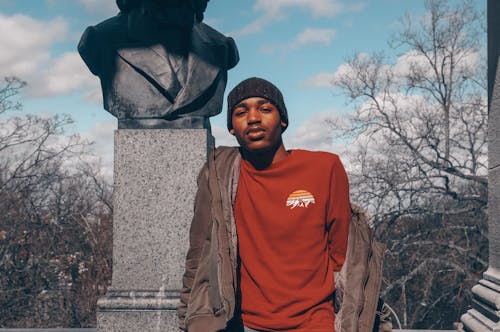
<point x="485" y="312"/>
<point x="155" y="175"/>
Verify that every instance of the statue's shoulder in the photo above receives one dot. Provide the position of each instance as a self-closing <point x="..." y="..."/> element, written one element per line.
<point x="210" y="36"/>
<point x="111" y="31"/>
<point x="101" y="39"/>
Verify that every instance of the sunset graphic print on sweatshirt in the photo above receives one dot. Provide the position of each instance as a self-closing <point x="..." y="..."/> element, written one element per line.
<point x="292" y="222"/>
<point x="300" y="198"/>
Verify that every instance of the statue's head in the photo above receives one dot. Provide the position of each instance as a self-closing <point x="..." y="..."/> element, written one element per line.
<point x="196" y="6"/>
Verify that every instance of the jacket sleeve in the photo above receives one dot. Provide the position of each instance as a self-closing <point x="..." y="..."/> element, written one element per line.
<point x="199" y="234"/>
<point x="339" y="214"/>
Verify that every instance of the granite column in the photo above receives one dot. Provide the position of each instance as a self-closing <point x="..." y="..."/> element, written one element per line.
<point x="155" y="173"/>
<point x="485" y="312"/>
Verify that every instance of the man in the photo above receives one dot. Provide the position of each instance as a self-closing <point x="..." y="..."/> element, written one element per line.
<point x="270" y="227"/>
<point x="159" y="65"/>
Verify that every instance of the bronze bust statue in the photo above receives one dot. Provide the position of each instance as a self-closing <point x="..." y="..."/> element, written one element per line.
<point x="159" y="65"/>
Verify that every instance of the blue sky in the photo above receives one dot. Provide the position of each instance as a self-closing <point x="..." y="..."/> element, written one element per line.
<point x="296" y="44"/>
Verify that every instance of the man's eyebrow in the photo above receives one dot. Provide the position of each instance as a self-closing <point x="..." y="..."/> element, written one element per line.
<point x="240" y="105"/>
<point x="259" y="102"/>
<point x="263" y="101"/>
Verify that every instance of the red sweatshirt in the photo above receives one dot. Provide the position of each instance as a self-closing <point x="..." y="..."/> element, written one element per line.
<point x="292" y="222"/>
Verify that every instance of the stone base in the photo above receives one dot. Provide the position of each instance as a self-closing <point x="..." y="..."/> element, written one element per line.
<point x="137" y="311"/>
<point x="485" y="313"/>
<point x="138" y="320"/>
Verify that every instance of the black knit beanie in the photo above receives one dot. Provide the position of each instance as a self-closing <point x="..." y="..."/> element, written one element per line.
<point x="255" y="87"/>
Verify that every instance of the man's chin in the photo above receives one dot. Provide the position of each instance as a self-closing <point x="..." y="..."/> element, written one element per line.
<point x="257" y="147"/>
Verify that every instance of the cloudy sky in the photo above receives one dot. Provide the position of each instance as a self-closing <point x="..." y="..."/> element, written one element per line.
<point x="296" y="44"/>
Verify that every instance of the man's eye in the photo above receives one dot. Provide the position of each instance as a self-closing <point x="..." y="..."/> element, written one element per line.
<point x="266" y="109"/>
<point x="240" y="112"/>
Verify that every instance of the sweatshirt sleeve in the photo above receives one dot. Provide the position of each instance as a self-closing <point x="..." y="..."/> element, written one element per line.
<point x="339" y="214"/>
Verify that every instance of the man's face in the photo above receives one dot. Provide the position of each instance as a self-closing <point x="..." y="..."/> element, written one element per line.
<point x="257" y="125"/>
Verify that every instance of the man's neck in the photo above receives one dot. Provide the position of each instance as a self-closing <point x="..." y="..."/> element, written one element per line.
<point x="263" y="159"/>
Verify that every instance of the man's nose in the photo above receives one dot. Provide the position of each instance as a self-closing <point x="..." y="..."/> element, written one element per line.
<point x="253" y="116"/>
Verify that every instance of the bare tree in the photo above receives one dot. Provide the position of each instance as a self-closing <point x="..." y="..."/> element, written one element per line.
<point x="55" y="221"/>
<point x="419" y="157"/>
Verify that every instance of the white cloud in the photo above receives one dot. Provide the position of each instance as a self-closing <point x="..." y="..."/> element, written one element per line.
<point x="102" y="134"/>
<point x="374" y="66"/>
<point x="97" y="150"/>
<point x="31" y="134"/>
<point x="27" y="44"/>
<point x="257" y="25"/>
<point x="317" y="133"/>
<point x="466" y="63"/>
<point x="94" y="96"/>
<point x="321" y="80"/>
<point x="105" y="7"/>
<point x="314" y="36"/>
<point x="64" y="74"/>
<point x="26" y="53"/>
<point x="317" y="8"/>
<point x="272" y="11"/>
<point x="327" y="79"/>
<point x="304" y="38"/>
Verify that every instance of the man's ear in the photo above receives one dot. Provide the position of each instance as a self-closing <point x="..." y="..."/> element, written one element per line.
<point x="231" y="132"/>
<point x="284" y="125"/>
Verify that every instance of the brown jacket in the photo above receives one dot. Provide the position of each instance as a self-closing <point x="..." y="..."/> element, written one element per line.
<point x="210" y="280"/>
<point x="358" y="283"/>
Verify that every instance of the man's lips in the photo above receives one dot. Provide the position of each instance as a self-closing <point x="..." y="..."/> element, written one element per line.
<point x="255" y="132"/>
